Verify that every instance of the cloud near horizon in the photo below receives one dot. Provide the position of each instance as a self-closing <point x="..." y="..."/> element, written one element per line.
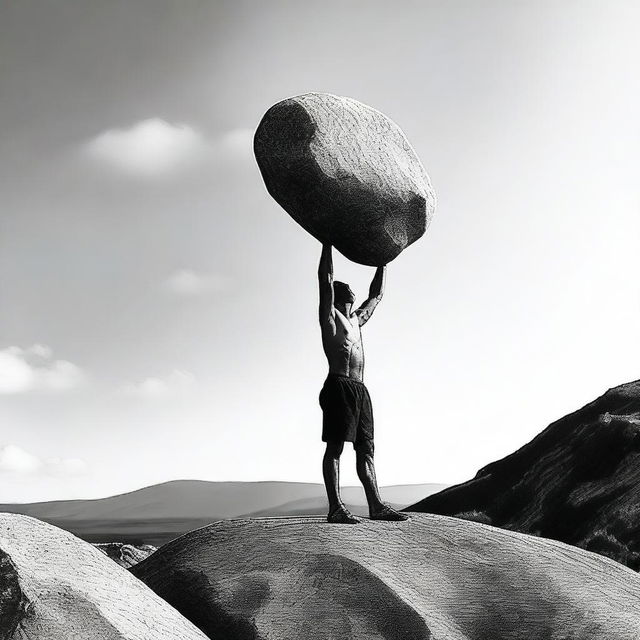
<point x="33" y="369"/>
<point x="15" y="460"/>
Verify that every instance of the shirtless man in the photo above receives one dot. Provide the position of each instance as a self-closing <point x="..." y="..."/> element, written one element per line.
<point x="345" y="401"/>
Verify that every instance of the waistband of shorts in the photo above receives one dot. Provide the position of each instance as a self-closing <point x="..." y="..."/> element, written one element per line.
<point x="340" y="376"/>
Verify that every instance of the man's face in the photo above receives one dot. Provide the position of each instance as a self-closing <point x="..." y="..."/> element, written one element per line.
<point x="343" y="294"/>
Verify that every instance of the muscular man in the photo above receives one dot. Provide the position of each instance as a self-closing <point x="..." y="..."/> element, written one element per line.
<point x="345" y="401"/>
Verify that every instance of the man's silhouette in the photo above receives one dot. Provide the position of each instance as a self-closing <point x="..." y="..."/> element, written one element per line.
<point x="345" y="401"/>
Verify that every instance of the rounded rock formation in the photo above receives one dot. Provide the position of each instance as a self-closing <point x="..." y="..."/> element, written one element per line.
<point x="432" y="578"/>
<point x="346" y="173"/>
<point x="54" y="586"/>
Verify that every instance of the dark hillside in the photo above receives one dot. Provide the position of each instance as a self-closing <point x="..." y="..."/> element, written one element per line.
<point x="578" y="481"/>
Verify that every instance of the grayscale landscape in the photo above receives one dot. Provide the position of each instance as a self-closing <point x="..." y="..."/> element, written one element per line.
<point x="155" y="515"/>
<point x="319" y="320"/>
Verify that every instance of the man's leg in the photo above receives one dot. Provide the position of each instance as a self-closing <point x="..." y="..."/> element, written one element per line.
<point x="338" y="513"/>
<point x="367" y="474"/>
<point x="331" y="473"/>
<point x="378" y="510"/>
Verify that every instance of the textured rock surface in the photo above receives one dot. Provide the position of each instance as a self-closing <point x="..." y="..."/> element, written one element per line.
<point x="578" y="481"/>
<point x="126" y="555"/>
<point x="54" y="586"/>
<point x="346" y="173"/>
<point x="432" y="577"/>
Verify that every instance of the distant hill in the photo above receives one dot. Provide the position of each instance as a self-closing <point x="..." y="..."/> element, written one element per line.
<point x="578" y="481"/>
<point x="430" y="578"/>
<point x="161" y="512"/>
<point x="54" y="586"/>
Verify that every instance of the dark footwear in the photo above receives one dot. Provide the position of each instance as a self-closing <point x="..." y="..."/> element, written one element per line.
<point x="342" y="515"/>
<point x="389" y="514"/>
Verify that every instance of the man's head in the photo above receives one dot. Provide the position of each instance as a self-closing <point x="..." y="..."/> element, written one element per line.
<point x="342" y="294"/>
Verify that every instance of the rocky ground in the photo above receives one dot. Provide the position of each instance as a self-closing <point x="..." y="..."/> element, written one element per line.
<point x="126" y="555"/>
<point x="433" y="577"/>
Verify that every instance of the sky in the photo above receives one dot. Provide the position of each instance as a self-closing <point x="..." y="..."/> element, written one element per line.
<point x="158" y="310"/>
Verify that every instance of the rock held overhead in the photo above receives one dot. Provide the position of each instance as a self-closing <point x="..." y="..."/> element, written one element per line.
<point x="346" y="173"/>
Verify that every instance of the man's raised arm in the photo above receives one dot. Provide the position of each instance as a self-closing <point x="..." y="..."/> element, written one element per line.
<point x="325" y="282"/>
<point x="376" y="291"/>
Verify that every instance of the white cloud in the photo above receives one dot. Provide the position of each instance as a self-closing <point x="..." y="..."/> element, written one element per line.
<point x="148" y="148"/>
<point x="238" y="142"/>
<point x="16" y="375"/>
<point x="187" y="282"/>
<point x="176" y="383"/>
<point x="15" y="460"/>
<point x="154" y="147"/>
<point x="40" y="350"/>
<point x="32" y="369"/>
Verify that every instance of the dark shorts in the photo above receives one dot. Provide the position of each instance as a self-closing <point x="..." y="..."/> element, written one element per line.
<point x="347" y="415"/>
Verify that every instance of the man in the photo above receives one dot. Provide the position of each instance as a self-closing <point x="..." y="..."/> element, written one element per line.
<point x="345" y="401"/>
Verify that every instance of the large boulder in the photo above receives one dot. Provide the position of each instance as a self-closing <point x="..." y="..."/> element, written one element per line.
<point x="54" y="586"/>
<point x="346" y="173"/>
<point x="432" y="578"/>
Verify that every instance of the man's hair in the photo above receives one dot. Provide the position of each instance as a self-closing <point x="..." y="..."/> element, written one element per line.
<point x="341" y="291"/>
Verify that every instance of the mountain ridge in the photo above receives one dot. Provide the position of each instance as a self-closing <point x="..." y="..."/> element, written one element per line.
<point x="155" y="514"/>
<point x="578" y="481"/>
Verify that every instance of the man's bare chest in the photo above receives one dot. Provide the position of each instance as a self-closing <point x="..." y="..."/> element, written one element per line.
<point x="347" y="329"/>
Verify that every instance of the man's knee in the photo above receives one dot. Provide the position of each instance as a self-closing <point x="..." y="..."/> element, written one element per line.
<point x="334" y="449"/>
<point x="364" y="449"/>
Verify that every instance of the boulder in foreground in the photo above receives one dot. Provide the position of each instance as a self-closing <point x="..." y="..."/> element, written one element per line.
<point x="346" y="173"/>
<point x="431" y="578"/>
<point x="54" y="586"/>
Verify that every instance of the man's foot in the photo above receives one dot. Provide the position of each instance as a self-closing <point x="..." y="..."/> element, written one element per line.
<point x="387" y="513"/>
<point x="342" y="515"/>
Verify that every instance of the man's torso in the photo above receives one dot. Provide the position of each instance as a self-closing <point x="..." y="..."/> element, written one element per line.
<point x="344" y="349"/>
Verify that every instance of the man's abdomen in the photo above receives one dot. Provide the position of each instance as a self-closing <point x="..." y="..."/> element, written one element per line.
<point x="346" y="362"/>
